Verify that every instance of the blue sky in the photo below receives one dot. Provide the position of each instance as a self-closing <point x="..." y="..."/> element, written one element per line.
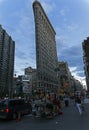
<point x="70" y="19"/>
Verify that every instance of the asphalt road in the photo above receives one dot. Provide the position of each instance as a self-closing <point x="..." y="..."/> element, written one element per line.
<point x="70" y="120"/>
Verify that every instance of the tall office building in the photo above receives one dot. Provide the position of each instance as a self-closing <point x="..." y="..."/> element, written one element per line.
<point x="46" y="53"/>
<point x="85" y="46"/>
<point x="7" y="48"/>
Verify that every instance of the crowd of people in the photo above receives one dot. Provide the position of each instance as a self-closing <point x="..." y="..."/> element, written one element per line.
<point x="55" y="105"/>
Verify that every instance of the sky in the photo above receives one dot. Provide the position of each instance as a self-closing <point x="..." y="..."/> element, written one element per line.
<point x="70" y="20"/>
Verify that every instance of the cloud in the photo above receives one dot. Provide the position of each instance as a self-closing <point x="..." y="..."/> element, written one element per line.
<point x="77" y="75"/>
<point x="72" y="55"/>
<point x="75" y="72"/>
<point x="24" y="36"/>
<point x="62" y="41"/>
<point x="1" y="1"/>
<point x="72" y="27"/>
<point x="62" y="12"/>
<point x="20" y="54"/>
<point x="47" y="6"/>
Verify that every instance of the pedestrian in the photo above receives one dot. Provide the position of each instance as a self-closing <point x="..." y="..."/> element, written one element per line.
<point x="66" y="100"/>
<point x="78" y="104"/>
<point x="59" y="112"/>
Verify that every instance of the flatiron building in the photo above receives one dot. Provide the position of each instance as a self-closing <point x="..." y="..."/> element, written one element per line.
<point x="46" y="53"/>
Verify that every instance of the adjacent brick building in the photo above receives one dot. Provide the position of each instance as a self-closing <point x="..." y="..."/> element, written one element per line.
<point x="85" y="46"/>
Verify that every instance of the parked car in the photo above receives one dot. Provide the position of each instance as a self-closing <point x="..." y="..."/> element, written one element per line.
<point x="10" y="108"/>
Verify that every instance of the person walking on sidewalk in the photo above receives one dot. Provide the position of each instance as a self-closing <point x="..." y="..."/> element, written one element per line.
<point x="78" y="104"/>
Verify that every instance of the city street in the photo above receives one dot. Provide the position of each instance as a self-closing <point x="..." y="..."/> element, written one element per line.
<point x="70" y="120"/>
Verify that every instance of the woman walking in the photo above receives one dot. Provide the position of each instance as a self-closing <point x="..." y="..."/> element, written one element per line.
<point x="78" y="104"/>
